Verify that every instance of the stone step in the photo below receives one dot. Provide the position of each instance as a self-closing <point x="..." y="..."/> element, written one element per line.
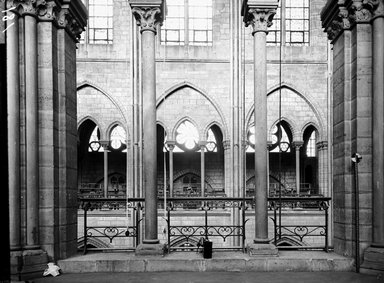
<point x="221" y="261"/>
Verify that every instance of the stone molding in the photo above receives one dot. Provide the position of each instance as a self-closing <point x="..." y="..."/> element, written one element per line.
<point x="297" y="144"/>
<point x="341" y="15"/>
<point x="67" y="14"/>
<point x="376" y="7"/>
<point x="322" y="145"/>
<point x="148" y="18"/>
<point x="226" y="144"/>
<point x="259" y="19"/>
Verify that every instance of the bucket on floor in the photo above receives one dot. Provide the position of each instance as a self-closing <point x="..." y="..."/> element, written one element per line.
<point x="207" y="249"/>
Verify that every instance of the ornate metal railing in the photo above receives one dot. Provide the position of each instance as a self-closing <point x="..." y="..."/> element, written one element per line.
<point x="203" y="210"/>
<point x="111" y="232"/>
<point x="184" y="233"/>
<point x="300" y="232"/>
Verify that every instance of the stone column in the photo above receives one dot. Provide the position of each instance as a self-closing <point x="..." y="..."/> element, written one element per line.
<point x="105" y="145"/>
<point x="13" y="131"/>
<point x="148" y="15"/>
<point x="374" y="255"/>
<point x="227" y="168"/>
<point x="297" y="145"/>
<point x="171" y="146"/>
<point x="322" y="153"/>
<point x="202" y="145"/>
<point x="378" y="122"/>
<point x="260" y="16"/>
<point x="32" y="140"/>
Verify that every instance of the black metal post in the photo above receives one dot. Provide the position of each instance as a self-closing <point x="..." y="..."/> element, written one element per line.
<point x="326" y="227"/>
<point x="137" y="223"/>
<point x="85" y="229"/>
<point x="356" y="158"/>
<point x="206" y="222"/>
<point x="169" y="228"/>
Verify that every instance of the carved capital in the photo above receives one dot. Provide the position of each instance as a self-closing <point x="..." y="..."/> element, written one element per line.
<point x="72" y="17"/>
<point x="322" y="145"/>
<point x="147" y="18"/>
<point x="46" y="10"/>
<point x="171" y="145"/>
<point x="23" y="7"/>
<point x="338" y="20"/>
<point x="360" y="12"/>
<point x="226" y="144"/>
<point x="260" y="19"/>
<point x="298" y="144"/>
<point x="376" y="7"/>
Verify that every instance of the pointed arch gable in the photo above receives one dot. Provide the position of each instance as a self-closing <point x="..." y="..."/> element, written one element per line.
<point x="94" y="120"/>
<point x="309" y="124"/>
<point x="292" y="127"/>
<point x="114" y="124"/>
<point x="185" y="84"/>
<point x="86" y="83"/>
<point x="210" y="125"/>
<point x="162" y="124"/>
<point x="314" y="107"/>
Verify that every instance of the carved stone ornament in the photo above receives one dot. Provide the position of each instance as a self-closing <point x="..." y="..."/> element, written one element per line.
<point x="260" y="19"/>
<point x="46" y="10"/>
<point x="147" y="17"/>
<point x="361" y="12"/>
<point x="340" y="23"/>
<point x="376" y="7"/>
<point x="23" y="7"/>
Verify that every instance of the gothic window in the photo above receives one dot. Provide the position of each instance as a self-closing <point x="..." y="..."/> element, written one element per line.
<point x="172" y="31"/>
<point x="187" y="137"/>
<point x="94" y="141"/>
<point x="211" y="142"/>
<point x="118" y="139"/>
<point x="280" y="137"/>
<point x="294" y="15"/>
<point x="100" y="22"/>
<point x="311" y="145"/>
<point x="188" y="22"/>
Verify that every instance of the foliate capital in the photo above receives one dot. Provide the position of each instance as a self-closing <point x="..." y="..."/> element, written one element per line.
<point x="376" y="7"/>
<point x="46" y="10"/>
<point x="147" y="17"/>
<point x="361" y="12"/>
<point x="260" y="19"/>
<point x="22" y="7"/>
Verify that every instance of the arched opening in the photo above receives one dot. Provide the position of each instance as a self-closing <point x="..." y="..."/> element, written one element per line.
<point x="309" y="162"/>
<point x="281" y="160"/>
<point x="90" y="159"/>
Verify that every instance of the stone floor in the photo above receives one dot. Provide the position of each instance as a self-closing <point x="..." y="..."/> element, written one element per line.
<point x="213" y="277"/>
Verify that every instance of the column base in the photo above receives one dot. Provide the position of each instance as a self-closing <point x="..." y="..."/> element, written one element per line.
<point x="28" y="264"/>
<point x="262" y="250"/>
<point x="153" y="249"/>
<point x="373" y="262"/>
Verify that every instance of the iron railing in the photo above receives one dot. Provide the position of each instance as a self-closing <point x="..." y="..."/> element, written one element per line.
<point x="111" y="232"/>
<point x="184" y="233"/>
<point x="205" y="207"/>
<point x="300" y="231"/>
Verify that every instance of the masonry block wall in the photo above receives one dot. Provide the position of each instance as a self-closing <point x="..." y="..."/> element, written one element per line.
<point x="351" y="35"/>
<point x="194" y="82"/>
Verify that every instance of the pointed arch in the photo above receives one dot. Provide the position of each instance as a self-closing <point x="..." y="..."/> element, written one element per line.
<point x="86" y="83"/>
<point x="313" y="106"/>
<point x="214" y="103"/>
<point x="183" y="119"/>
<point x="210" y="125"/>
<point x="113" y="125"/>
<point x="291" y="125"/>
<point x="93" y="120"/>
